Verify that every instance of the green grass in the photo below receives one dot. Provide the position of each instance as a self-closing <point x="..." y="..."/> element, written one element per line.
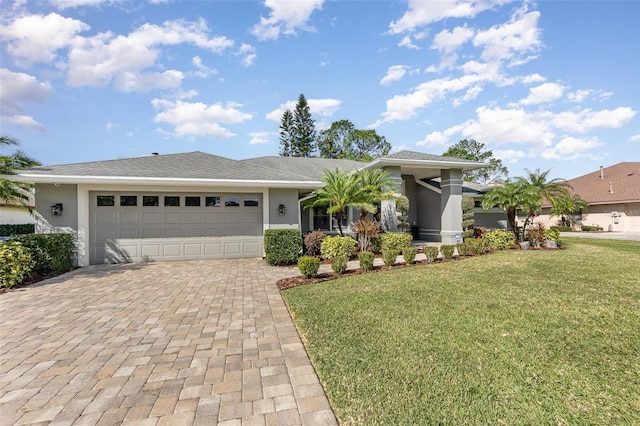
<point x="515" y="337"/>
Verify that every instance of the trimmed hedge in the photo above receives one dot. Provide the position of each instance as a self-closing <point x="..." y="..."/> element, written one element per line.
<point x="282" y="246"/>
<point x="9" y="230"/>
<point x="431" y="253"/>
<point x="308" y="266"/>
<point x="409" y="254"/>
<point x="389" y="256"/>
<point x="339" y="264"/>
<point x="366" y="259"/>
<point x="333" y="247"/>
<point x="395" y="240"/>
<point x="447" y="251"/>
<point x="53" y="253"/>
<point x="16" y="263"/>
<point x="499" y="239"/>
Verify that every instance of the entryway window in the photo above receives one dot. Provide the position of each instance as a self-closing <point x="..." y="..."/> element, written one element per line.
<point x="324" y="221"/>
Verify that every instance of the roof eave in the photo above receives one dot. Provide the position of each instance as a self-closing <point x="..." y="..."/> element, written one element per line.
<point x="464" y="165"/>
<point x="129" y="180"/>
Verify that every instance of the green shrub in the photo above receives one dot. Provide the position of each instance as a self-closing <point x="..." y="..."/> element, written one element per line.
<point x="339" y="264"/>
<point x="53" y="253"/>
<point x="389" y="256"/>
<point x="313" y="241"/>
<point x="376" y="244"/>
<point x="395" y="240"/>
<point x="462" y="249"/>
<point x="16" y="263"/>
<point x="476" y="246"/>
<point x="366" y="259"/>
<point x="409" y="254"/>
<point x="591" y="228"/>
<point x="333" y="247"/>
<point x="308" y="266"/>
<point x="9" y="230"/>
<point x="282" y="246"/>
<point x="447" y="251"/>
<point x="431" y="253"/>
<point x="499" y="239"/>
<point x="562" y="228"/>
<point x="553" y="235"/>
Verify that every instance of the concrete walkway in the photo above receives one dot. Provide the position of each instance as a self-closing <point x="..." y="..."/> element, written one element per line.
<point x="205" y="342"/>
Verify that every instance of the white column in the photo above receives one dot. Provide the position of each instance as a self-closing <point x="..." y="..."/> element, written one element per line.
<point x="388" y="214"/>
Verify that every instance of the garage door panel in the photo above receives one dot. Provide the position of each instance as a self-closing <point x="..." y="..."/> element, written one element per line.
<point x="157" y="232"/>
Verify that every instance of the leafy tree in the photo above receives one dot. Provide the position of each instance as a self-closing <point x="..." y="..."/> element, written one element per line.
<point x="565" y="206"/>
<point x="286" y="127"/>
<point x="475" y="151"/>
<point x="509" y="197"/>
<point x="11" y="191"/>
<point x="343" y="140"/>
<point x="540" y="187"/>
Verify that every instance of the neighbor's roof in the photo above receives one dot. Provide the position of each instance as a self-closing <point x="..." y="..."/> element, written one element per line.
<point x="619" y="183"/>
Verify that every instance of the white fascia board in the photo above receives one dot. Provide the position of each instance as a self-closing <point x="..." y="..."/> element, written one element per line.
<point x="127" y="180"/>
<point x="464" y="165"/>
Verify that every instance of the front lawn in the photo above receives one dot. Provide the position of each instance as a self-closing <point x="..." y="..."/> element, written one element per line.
<point x="514" y="337"/>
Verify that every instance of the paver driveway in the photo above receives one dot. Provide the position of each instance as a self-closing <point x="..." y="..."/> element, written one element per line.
<point x="204" y="342"/>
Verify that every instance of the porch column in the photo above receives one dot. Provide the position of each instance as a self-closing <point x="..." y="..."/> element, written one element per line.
<point x="388" y="214"/>
<point x="450" y="205"/>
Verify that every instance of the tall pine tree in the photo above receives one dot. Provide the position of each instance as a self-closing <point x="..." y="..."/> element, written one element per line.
<point x="298" y="131"/>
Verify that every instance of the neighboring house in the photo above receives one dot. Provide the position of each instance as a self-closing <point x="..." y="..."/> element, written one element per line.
<point x="613" y="196"/>
<point x="13" y="214"/>
<point x="201" y="206"/>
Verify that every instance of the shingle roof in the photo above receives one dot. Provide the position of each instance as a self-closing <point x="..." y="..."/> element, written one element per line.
<point x="413" y="155"/>
<point x="622" y="178"/>
<point x="190" y="165"/>
<point x="309" y="167"/>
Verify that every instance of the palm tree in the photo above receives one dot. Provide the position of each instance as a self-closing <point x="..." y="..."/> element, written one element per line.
<point x="541" y="188"/>
<point x="562" y="206"/>
<point x="376" y="185"/>
<point x="509" y="197"/>
<point x="11" y="191"/>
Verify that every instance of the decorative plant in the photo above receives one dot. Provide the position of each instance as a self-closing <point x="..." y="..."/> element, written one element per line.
<point x="499" y="239"/>
<point x="536" y="234"/>
<point x="447" y="251"/>
<point x="333" y="247"/>
<point x="389" y="256"/>
<point x="402" y="207"/>
<point x="313" y="241"/>
<point x="339" y="264"/>
<point x="409" y="254"/>
<point x="462" y="249"/>
<point x="308" y="266"/>
<point x="366" y="259"/>
<point x="395" y="240"/>
<point x="365" y="229"/>
<point x="431" y="253"/>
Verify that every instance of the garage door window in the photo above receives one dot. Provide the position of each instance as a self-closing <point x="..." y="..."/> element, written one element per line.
<point x="128" y="201"/>
<point x="212" y="201"/>
<point x="192" y="201"/>
<point x="172" y="201"/>
<point x="106" y="201"/>
<point x="150" y="201"/>
<point x="232" y="201"/>
<point x="251" y="201"/>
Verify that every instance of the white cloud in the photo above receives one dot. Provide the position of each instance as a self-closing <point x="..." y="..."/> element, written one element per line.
<point x="318" y="107"/>
<point x="110" y="126"/>
<point x="546" y="92"/>
<point x="37" y="38"/>
<point x="260" y="138"/>
<point x="635" y="138"/>
<point x="571" y="148"/>
<point x="286" y="17"/>
<point x="581" y="121"/>
<point x="65" y="4"/>
<point x="470" y="95"/>
<point x="248" y="54"/>
<point x="509" y="156"/>
<point x="533" y="78"/>
<point x="197" y="118"/>
<point x="408" y="43"/>
<point x="434" y="139"/>
<point x="394" y="73"/>
<point x="449" y="41"/>
<point x="17" y="89"/>
<point x="203" y="70"/>
<point x="423" y="13"/>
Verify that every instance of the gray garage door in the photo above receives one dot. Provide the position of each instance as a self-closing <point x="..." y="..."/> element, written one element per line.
<point x="148" y="226"/>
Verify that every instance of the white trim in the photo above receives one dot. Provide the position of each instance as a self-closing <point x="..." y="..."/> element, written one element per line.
<point x="435" y="164"/>
<point x="83" y="241"/>
<point x="431" y="187"/>
<point x="129" y="180"/>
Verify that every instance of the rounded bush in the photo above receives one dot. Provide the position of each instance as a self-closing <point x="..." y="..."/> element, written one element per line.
<point x="339" y="264"/>
<point x="462" y="249"/>
<point x="409" y="254"/>
<point x="308" y="266"/>
<point x="447" y="251"/>
<point x="431" y="253"/>
<point x="395" y="240"/>
<point x="366" y="259"/>
<point x="333" y="247"/>
<point x="313" y="242"/>
<point x="16" y="263"/>
<point x="499" y="239"/>
<point x="389" y="256"/>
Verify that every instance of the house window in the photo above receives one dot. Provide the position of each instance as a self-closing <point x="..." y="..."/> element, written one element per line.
<point x="106" y="201"/>
<point x="324" y="221"/>
<point x="251" y="201"/>
<point x="232" y="201"/>
<point x="192" y="201"/>
<point x="150" y="200"/>
<point x="212" y="201"/>
<point x="172" y="201"/>
<point x="128" y="200"/>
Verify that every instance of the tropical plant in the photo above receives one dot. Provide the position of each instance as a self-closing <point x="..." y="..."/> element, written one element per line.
<point x="365" y="229"/>
<point x="567" y="206"/>
<point x="540" y="187"/>
<point x="313" y="241"/>
<point x="509" y="197"/>
<point x="341" y="190"/>
<point x="11" y="191"/>
<point x="376" y="185"/>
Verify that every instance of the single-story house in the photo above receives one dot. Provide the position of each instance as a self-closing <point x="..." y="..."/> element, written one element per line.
<point x="613" y="198"/>
<point x="199" y="206"/>
<point x="14" y="214"/>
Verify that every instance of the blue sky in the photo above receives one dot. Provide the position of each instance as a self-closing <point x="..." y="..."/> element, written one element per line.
<point x="549" y="84"/>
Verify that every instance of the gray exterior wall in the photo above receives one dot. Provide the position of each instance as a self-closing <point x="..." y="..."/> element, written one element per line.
<point x="411" y="191"/>
<point x="289" y="198"/>
<point x="50" y="194"/>
<point x="429" y="214"/>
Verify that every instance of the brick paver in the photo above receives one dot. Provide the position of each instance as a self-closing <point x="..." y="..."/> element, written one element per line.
<point x="203" y="342"/>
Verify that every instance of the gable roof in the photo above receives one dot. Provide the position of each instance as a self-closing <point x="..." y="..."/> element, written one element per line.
<point x="309" y="167"/>
<point x="623" y="179"/>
